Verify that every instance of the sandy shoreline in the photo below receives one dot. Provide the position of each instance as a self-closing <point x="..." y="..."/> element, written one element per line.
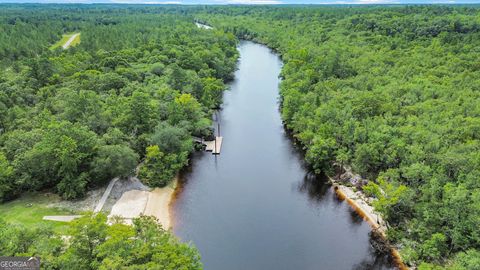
<point x="158" y="205"/>
<point x="361" y="204"/>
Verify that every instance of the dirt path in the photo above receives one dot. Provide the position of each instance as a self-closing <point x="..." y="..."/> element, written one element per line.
<point x="69" y="41"/>
<point x="204" y="26"/>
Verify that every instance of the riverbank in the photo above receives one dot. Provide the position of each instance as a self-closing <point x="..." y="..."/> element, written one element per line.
<point x="137" y="202"/>
<point x="159" y="204"/>
<point x="361" y="204"/>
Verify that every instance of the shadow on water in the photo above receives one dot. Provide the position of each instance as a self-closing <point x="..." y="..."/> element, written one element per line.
<point x="258" y="205"/>
<point x="355" y="217"/>
<point x="378" y="259"/>
<point x="317" y="188"/>
<point x="314" y="187"/>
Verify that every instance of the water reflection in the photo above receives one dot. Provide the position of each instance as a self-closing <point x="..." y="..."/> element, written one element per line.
<point x="355" y="217"/>
<point x="256" y="205"/>
<point x="378" y="260"/>
<point x="315" y="187"/>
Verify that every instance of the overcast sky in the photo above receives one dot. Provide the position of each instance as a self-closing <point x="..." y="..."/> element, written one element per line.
<point x="264" y="2"/>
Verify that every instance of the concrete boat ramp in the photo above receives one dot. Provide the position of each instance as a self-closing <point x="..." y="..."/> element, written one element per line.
<point x="134" y="203"/>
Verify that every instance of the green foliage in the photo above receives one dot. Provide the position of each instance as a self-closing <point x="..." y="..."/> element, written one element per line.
<point x="435" y="247"/>
<point x="371" y="189"/>
<point x="158" y="69"/>
<point x="91" y="244"/>
<point x="114" y="161"/>
<point x="159" y="168"/>
<point x="428" y="266"/>
<point x="58" y="157"/>
<point x="391" y="91"/>
<point x="74" y="119"/>
<point x="389" y="196"/>
<point x="171" y="139"/>
<point x="6" y="181"/>
<point x="469" y="260"/>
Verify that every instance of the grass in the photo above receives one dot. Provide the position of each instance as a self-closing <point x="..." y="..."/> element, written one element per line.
<point x="29" y="210"/>
<point x="76" y="41"/>
<point x="64" y="40"/>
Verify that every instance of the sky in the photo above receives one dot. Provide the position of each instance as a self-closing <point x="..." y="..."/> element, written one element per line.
<point x="251" y="2"/>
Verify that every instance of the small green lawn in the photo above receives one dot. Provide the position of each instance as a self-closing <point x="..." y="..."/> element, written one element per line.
<point x="64" y="39"/>
<point x="29" y="210"/>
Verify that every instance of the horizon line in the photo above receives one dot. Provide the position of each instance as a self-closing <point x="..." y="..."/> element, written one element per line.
<point x="155" y="3"/>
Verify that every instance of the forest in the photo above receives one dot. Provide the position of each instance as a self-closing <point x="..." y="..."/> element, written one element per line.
<point x="133" y="91"/>
<point x="93" y="244"/>
<point x="391" y="92"/>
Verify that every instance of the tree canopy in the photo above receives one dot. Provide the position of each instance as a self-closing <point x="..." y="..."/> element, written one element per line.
<point x="92" y="244"/>
<point x="74" y="119"/>
<point x="392" y="91"/>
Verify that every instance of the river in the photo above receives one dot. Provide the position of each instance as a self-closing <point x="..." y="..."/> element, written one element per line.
<point x="255" y="206"/>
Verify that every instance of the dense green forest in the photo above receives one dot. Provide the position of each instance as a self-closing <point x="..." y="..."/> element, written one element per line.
<point x="92" y="244"/>
<point x="394" y="93"/>
<point x="136" y="88"/>
<point x="390" y="92"/>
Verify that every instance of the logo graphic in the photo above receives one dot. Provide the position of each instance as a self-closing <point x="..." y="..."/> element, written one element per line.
<point x="19" y="263"/>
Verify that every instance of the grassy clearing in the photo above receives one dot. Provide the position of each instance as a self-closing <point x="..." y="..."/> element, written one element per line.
<point x="29" y="210"/>
<point x="64" y="40"/>
<point x="75" y="41"/>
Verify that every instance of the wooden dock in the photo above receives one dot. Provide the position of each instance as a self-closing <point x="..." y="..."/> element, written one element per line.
<point x="214" y="146"/>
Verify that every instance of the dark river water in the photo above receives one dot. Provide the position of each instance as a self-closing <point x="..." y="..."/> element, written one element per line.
<point x="255" y="206"/>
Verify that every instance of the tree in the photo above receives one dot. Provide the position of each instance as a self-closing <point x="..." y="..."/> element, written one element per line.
<point x="468" y="260"/>
<point x="141" y="114"/>
<point x="61" y="158"/>
<point x="185" y="107"/>
<point x="159" y="168"/>
<point x="435" y="247"/>
<point x="86" y="234"/>
<point x="114" y="161"/>
<point x="389" y="196"/>
<point x="7" y="186"/>
<point x="145" y="245"/>
<point x="41" y="70"/>
<point x="171" y="139"/>
<point x="212" y="92"/>
<point x="158" y="69"/>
